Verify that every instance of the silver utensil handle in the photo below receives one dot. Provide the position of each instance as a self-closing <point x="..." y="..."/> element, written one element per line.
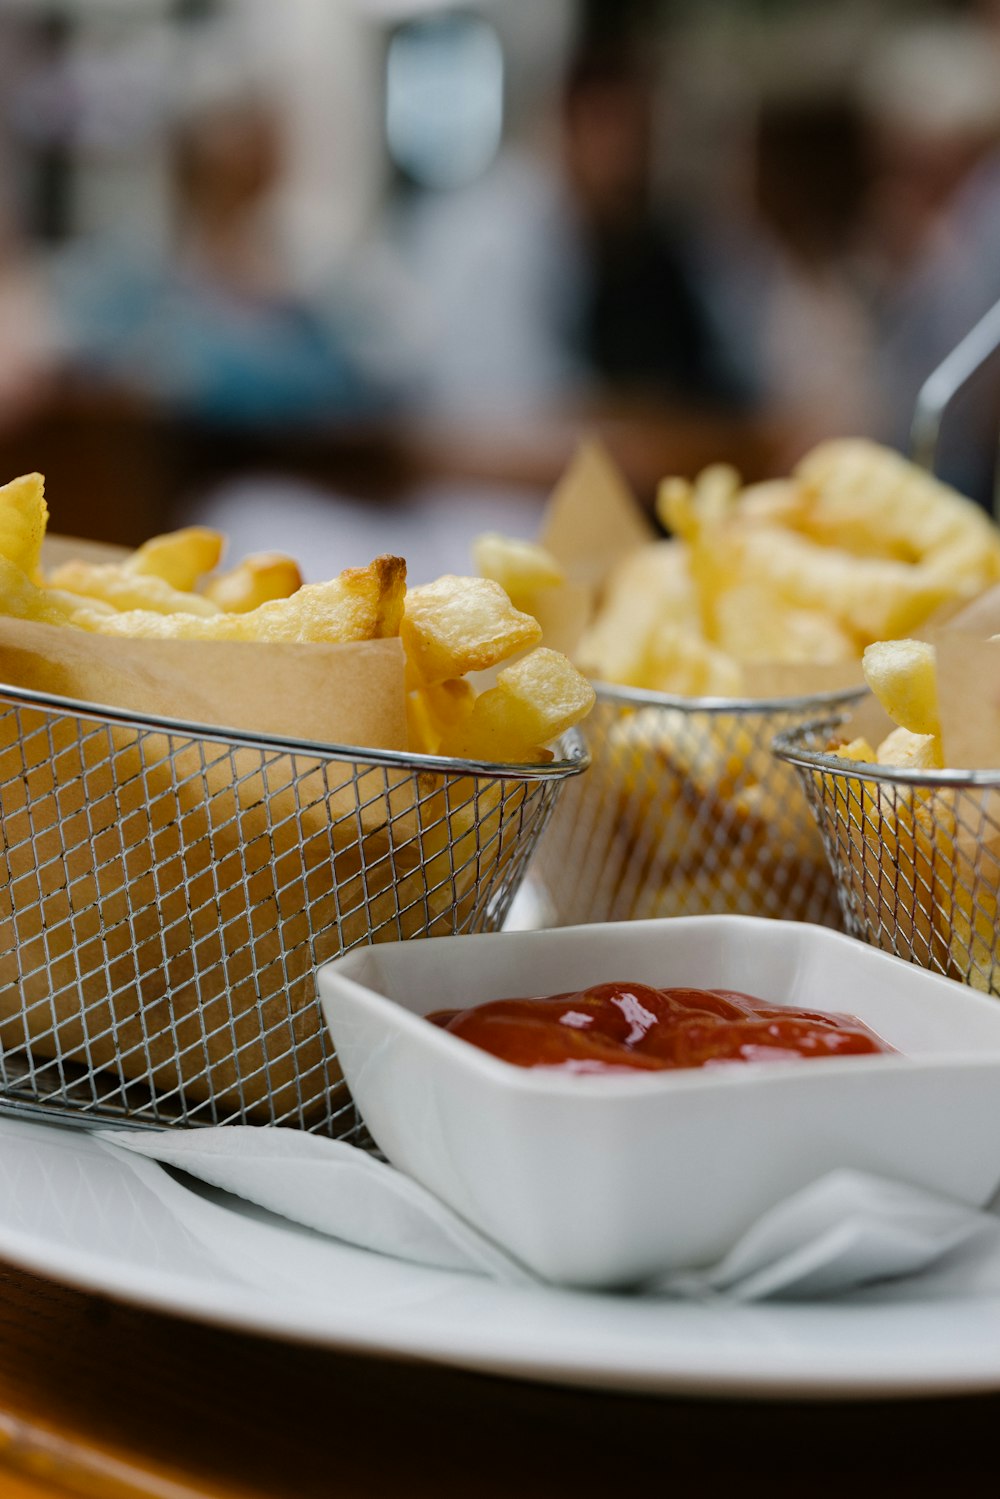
<point x="969" y="363"/>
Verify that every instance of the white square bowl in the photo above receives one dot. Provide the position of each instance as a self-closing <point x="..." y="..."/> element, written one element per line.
<point x="608" y="1181"/>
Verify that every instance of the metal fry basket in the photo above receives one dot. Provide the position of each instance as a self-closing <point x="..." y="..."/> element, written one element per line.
<point x="167" y="890"/>
<point x="915" y="854"/>
<point x="686" y="812"/>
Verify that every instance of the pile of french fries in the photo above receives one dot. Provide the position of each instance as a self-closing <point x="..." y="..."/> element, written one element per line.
<point x="181" y="930"/>
<point x="928" y="855"/>
<point x="856" y="546"/>
<point x="169" y="589"/>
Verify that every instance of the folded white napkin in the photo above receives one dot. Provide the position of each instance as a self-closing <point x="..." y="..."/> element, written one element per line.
<point x="846" y="1230"/>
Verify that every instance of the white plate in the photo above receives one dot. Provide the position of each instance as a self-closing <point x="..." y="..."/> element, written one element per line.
<point x="73" y="1212"/>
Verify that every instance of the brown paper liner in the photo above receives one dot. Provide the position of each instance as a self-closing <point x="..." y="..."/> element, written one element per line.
<point x="165" y="897"/>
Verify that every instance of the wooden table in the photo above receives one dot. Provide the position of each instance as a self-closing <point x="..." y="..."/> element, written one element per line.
<point x="99" y="1399"/>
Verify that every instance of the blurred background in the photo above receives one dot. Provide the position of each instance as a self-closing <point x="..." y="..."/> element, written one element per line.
<point x="354" y="275"/>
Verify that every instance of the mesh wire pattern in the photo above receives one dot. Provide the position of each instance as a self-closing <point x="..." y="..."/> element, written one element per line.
<point x="915" y="854"/>
<point x="167" y="891"/>
<point x="685" y="812"/>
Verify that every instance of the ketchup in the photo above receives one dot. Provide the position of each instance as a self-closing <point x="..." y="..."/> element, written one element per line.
<point x="623" y="1027"/>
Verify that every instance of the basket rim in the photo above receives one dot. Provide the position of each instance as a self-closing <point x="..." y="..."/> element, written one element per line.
<point x="643" y="697"/>
<point x="786" y="746"/>
<point x="575" y="756"/>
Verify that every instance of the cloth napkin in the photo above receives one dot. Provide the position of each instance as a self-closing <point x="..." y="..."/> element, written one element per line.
<point x="846" y="1230"/>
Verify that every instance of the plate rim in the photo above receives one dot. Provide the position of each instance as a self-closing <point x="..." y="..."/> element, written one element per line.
<point x="239" y="1308"/>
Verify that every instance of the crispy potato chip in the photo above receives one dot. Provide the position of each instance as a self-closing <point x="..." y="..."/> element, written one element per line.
<point x="456" y="625"/>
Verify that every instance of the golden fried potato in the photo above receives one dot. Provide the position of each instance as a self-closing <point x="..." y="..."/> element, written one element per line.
<point x="522" y="568"/>
<point x="875" y="598"/>
<point x="903" y="676"/>
<point x="910" y="751"/>
<point x="857" y="749"/>
<point x="258" y="579"/>
<point x="688" y="509"/>
<point x="535" y="700"/>
<point x="112" y="583"/>
<point x="361" y="603"/>
<point x="23" y="518"/>
<point x="451" y="627"/>
<point x="22" y="599"/>
<point x="752" y="625"/>
<point x="650" y="588"/>
<point x="436" y="710"/>
<point x="180" y="558"/>
<point x="682" y="663"/>
<point x="870" y="500"/>
<point x="456" y="625"/>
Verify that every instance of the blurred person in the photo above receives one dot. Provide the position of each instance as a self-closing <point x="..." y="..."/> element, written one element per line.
<point x="556" y="288"/>
<point x="213" y="330"/>
<point x="782" y="256"/>
<point x="27" y="327"/>
<point x="644" y="321"/>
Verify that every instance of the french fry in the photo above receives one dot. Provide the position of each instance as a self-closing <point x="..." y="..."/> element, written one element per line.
<point x="257" y="580"/>
<point x="361" y="603"/>
<point x="113" y="584"/>
<point x="23" y="518"/>
<point x="650" y="588"/>
<point x="910" y="751"/>
<point x="909" y="862"/>
<point x="752" y="625"/>
<point x="179" y="558"/>
<point x="868" y="499"/>
<point x="457" y="625"/>
<point x="680" y="663"/>
<point x="435" y="711"/>
<point x="534" y="701"/>
<point x="522" y="568"/>
<point x="874" y="598"/>
<point x="903" y="676"/>
<point x="448" y="628"/>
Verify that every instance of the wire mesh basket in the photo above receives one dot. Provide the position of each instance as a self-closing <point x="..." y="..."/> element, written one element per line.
<point x="915" y="854"/>
<point x="166" y="892"/>
<point x="686" y="812"/>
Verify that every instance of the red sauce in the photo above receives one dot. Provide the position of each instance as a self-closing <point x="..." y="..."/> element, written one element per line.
<point x="622" y="1027"/>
